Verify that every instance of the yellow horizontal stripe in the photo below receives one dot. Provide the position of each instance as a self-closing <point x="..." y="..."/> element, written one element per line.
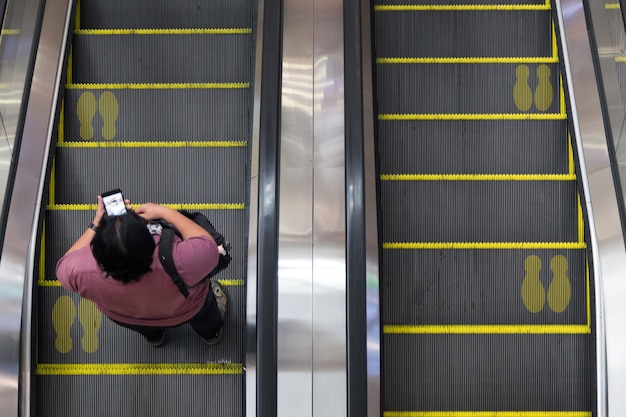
<point x="463" y="7"/>
<point x="224" y="282"/>
<point x="190" y="31"/>
<point x="10" y="32"/>
<point x="612" y="6"/>
<point x="487" y="414"/>
<point x="620" y="59"/>
<point x="231" y="282"/>
<point x="488" y="329"/>
<point x="206" y="206"/>
<point x="48" y="283"/>
<point x="153" y="144"/>
<point x="474" y="116"/>
<point x="477" y="177"/>
<point x="484" y="245"/>
<point x="468" y="60"/>
<point x="140" y="369"/>
<point x="155" y="86"/>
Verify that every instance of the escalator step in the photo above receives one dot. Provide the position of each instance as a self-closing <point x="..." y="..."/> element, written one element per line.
<point x="162" y="114"/>
<point x="161" y="58"/>
<point x="479" y="211"/>
<point x="474" y="147"/>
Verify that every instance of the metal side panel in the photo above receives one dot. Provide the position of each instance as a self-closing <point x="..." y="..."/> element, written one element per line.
<point x="311" y="332"/>
<point x="609" y="254"/>
<point x="23" y="211"/>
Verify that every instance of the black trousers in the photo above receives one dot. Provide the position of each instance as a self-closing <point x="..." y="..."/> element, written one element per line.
<point x="207" y="322"/>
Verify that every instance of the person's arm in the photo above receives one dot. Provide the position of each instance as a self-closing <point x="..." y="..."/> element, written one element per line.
<point x="87" y="236"/>
<point x="185" y="226"/>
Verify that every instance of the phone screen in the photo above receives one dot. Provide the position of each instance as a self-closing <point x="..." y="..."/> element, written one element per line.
<point x="114" y="203"/>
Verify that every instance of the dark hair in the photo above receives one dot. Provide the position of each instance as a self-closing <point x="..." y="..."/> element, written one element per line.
<point x="123" y="246"/>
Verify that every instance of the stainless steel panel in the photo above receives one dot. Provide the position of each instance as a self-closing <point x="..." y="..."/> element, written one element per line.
<point x="16" y="263"/>
<point x="601" y="201"/>
<point x="16" y="47"/>
<point x="252" y="277"/>
<point x="311" y="274"/>
<point x="329" y="241"/>
<point x="371" y="221"/>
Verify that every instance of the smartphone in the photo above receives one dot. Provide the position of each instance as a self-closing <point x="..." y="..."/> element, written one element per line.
<point x="114" y="202"/>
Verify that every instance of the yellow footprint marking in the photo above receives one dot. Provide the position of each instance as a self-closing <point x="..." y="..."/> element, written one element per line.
<point x="63" y="316"/>
<point x="544" y="92"/>
<point x="533" y="293"/>
<point x="522" y="94"/>
<point x="90" y="319"/>
<point x="86" y="110"/>
<point x="109" y="110"/>
<point x="560" y="289"/>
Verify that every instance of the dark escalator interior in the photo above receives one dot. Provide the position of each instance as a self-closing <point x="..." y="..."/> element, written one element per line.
<point x="486" y="300"/>
<point x="157" y="102"/>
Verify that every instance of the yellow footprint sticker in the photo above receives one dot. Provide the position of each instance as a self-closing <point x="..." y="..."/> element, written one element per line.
<point x="544" y="92"/>
<point x="533" y="293"/>
<point x="109" y="110"/>
<point x="522" y="94"/>
<point x="560" y="289"/>
<point x="63" y="316"/>
<point x="90" y="319"/>
<point x="86" y="110"/>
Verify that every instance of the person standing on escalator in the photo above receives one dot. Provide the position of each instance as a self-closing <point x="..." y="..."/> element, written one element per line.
<point x="115" y="264"/>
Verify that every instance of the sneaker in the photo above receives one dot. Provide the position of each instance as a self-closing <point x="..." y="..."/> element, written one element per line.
<point x="220" y="297"/>
<point x="159" y="342"/>
<point x="222" y="305"/>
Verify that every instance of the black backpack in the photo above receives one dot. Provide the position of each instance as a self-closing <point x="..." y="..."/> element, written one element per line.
<point x="167" y="242"/>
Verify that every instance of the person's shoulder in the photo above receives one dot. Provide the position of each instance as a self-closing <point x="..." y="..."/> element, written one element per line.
<point x="76" y="266"/>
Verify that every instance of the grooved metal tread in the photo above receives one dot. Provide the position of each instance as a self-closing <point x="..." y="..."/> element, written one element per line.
<point x="157" y="103"/>
<point x="485" y="289"/>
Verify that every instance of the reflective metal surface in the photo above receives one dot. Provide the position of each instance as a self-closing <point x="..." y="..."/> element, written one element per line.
<point x="372" y="277"/>
<point x="16" y="52"/>
<point x="602" y="204"/>
<point x="311" y="265"/>
<point x="16" y="263"/>
<point x="251" y="279"/>
<point x="16" y="259"/>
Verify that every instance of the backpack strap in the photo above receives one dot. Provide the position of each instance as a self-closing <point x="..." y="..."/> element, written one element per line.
<point x="165" y="256"/>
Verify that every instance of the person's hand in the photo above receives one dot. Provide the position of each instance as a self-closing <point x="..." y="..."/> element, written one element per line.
<point x="99" y="212"/>
<point x="151" y="211"/>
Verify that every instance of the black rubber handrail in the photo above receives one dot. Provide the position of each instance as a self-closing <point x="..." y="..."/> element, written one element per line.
<point x="267" y="252"/>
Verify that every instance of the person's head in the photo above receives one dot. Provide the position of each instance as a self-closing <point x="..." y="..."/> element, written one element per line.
<point x="123" y="246"/>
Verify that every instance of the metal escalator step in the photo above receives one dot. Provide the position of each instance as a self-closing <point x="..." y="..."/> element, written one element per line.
<point x="164" y="114"/>
<point x="114" y="345"/>
<point x="465" y="88"/>
<point x="161" y="58"/>
<point x="64" y="224"/>
<point x="479" y="211"/>
<point x="183" y="175"/>
<point x="464" y="33"/>
<point x="481" y="287"/>
<point x="485" y="296"/>
<point x="474" y="147"/>
<point x="141" y="395"/>
<point x="524" y="4"/>
<point x="497" y="373"/>
<point x="106" y="14"/>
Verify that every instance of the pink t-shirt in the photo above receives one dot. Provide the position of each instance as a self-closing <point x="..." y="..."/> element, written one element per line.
<point x="154" y="300"/>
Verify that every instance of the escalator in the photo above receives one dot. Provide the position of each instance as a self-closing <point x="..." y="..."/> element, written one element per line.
<point x="158" y="102"/>
<point x="486" y="289"/>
